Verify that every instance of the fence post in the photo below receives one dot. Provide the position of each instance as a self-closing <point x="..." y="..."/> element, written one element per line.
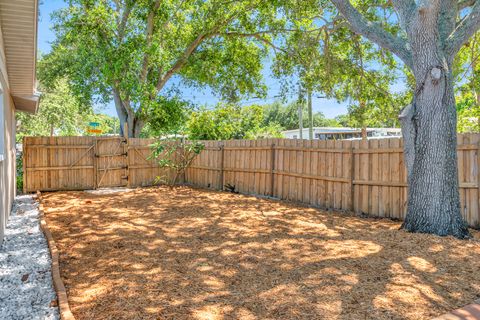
<point x="51" y="141"/>
<point x="478" y="185"/>
<point x="222" y="164"/>
<point x="126" y="147"/>
<point x="125" y="130"/>
<point x="272" y="169"/>
<point x="24" y="164"/>
<point x="95" y="163"/>
<point x="352" y="176"/>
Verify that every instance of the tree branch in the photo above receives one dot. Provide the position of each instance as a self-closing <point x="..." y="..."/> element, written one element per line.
<point x="374" y="32"/>
<point x="447" y="13"/>
<point x="465" y="29"/>
<point x="462" y="4"/>
<point x="405" y="10"/>
<point x="258" y="36"/>
<point x="181" y="61"/>
<point x="190" y="49"/>
<point x="148" y="38"/>
<point x="172" y="17"/>
<point x="123" y="22"/>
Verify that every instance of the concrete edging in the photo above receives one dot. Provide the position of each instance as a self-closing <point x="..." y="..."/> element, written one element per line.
<point x="63" y="306"/>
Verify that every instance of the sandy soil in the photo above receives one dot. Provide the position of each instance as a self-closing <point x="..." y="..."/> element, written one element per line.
<point x="194" y="254"/>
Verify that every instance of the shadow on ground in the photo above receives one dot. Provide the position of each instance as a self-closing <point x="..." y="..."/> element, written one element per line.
<point x="195" y="254"/>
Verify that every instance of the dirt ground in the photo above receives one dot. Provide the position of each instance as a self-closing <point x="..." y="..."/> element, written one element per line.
<point x="194" y="254"/>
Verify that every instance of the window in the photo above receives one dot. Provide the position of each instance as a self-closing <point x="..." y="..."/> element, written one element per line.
<point x="294" y="136"/>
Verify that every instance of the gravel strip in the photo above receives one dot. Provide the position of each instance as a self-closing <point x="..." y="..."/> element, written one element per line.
<point x="26" y="289"/>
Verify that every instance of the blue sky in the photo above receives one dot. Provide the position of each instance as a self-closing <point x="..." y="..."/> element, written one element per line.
<point x="45" y="36"/>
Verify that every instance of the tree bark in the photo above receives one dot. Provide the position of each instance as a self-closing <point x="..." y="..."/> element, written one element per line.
<point x="429" y="125"/>
<point x="135" y="125"/>
<point x="127" y="115"/>
<point x="137" y="128"/>
<point x="430" y="132"/>
<point x="431" y="157"/>
<point x="300" y="112"/>
<point x="310" y="115"/>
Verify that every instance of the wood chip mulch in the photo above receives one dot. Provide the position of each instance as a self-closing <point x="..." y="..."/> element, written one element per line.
<point x="187" y="253"/>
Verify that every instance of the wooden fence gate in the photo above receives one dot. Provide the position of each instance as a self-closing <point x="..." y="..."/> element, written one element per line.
<point x="82" y="163"/>
<point x="111" y="169"/>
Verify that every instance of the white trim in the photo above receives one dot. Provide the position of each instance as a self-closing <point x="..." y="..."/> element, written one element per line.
<point x="26" y="103"/>
<point x="3" y="60"/>
<point x="19" y="27"/>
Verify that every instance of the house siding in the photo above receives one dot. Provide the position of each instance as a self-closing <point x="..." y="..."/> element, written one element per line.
<point x="18" y="37"/>
<point x="8" y="165"/>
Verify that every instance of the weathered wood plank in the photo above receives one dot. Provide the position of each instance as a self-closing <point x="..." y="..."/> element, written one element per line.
<point x="368" y="176"/>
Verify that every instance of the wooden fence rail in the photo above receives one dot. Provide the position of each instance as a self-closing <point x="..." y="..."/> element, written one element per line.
<point x="363" y="176"/>
<point x="79" y="163"/>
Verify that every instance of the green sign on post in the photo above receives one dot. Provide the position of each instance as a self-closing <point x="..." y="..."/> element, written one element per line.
<point x="93" y="128"/>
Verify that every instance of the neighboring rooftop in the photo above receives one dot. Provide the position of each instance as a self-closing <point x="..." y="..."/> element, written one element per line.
<point x="343" y="129"/>
<point x="329" y="133"/>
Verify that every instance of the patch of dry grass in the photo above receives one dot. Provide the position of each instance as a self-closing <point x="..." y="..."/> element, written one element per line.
<point x="196" y="254"/>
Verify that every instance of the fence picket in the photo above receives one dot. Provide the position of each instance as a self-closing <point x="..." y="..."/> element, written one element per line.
<point x="366" y="176"/>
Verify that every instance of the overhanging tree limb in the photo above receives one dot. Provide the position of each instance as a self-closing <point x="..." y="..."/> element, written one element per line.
<point x="190" y="49"/>
<point x="464" y="30"/>
<point x="405" y="9"/>
<point x="181" y="61"/>
<point x="465" y="4"/>
<point x="148" y="39"/>
<point x="123" y="22"/>
<point x="258" y="36"/>
<point x="374" y="32"/>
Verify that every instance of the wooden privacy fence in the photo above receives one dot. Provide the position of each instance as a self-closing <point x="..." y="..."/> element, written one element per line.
<point x="363" y="176"/>
<point x="79" y="163"/>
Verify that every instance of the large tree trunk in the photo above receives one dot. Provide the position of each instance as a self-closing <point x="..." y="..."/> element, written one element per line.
<point x="434" y="35"/>
<point x="430" y="129"/>
<point x="135" y="126"/>
<point x="128" y="116"/>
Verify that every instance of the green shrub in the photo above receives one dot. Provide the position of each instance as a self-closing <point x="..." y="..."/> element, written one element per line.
<point x="176" y="155"/>
<point x="19" y="173"/>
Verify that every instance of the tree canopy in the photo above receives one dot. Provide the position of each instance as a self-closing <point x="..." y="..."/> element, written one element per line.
<point x="129" y="50"/>
<point x="287" y="117"/>
<point x="138" y="52"/>
<point x="324" y="55"/>
<point x="230" y="121"/>
<point x="62" y="114"/>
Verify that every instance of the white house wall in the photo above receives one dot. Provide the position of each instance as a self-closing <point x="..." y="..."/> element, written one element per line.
<point x="8" y="164"/>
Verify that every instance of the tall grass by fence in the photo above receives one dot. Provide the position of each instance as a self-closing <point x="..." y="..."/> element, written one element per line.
<point x="362" y="176"/>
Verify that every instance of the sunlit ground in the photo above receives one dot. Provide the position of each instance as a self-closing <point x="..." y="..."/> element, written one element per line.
<point x="196" y="254"/>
